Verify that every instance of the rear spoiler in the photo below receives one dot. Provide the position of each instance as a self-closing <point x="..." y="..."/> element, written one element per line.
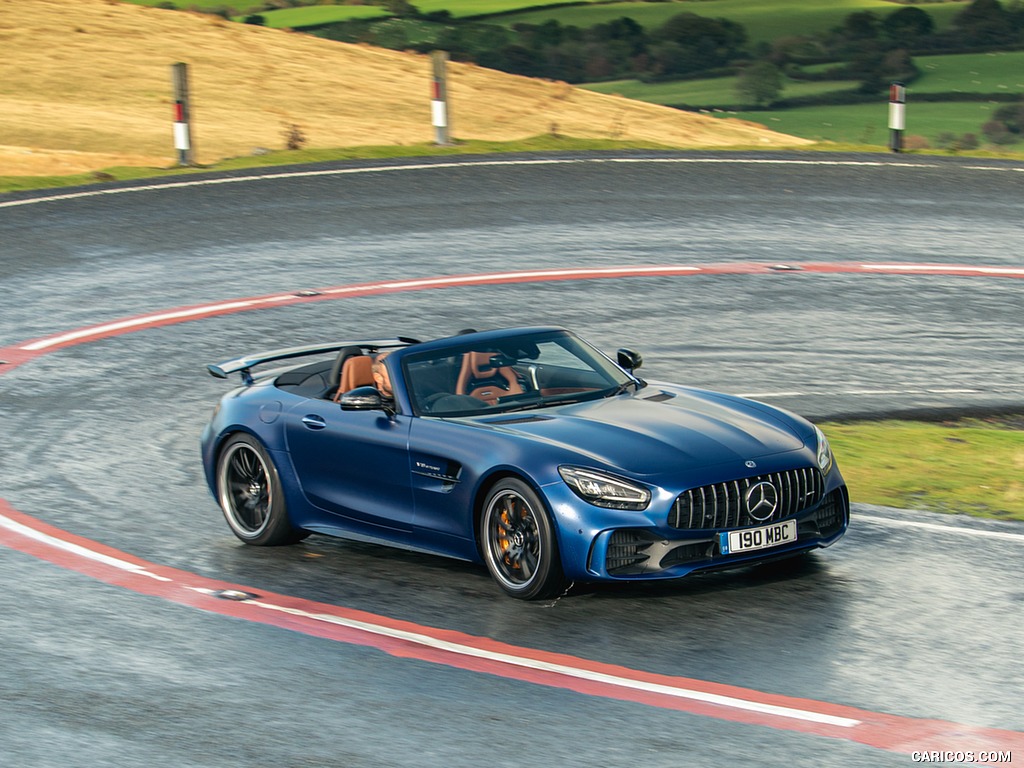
<point x="244" y="364"/>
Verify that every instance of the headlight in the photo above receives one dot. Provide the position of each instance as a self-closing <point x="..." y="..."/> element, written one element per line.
<point x="824" y="452"/>
<point x="604" y="490"/>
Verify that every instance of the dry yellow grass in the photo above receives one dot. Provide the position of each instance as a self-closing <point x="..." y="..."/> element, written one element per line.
<point x="86" y="84"/>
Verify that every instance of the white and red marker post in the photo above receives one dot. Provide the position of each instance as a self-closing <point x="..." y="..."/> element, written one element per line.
<point x="439" y="98"/>
<point x="897" y="115"/>
<point x="182" y="114"/>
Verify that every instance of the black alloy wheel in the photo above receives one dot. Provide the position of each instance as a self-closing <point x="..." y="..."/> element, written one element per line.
<point x="249" y="491"/>
<point x="519" y="544"/>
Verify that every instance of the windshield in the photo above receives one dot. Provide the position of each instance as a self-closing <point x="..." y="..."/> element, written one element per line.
<point x="512" y="374"/>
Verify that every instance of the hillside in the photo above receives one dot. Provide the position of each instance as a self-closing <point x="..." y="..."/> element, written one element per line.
<point x="86" y="85"/>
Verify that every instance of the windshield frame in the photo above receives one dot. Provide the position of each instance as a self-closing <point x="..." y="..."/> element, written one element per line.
<point x="603" y="378"/>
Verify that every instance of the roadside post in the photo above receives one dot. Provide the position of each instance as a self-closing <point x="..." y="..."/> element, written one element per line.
<point x="897" y="115"/>
<point x="182" y="114"/>
<point x="439" y="100"/>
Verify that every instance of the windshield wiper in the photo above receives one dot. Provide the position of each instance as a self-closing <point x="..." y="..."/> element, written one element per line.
<point x="623" y="387"/>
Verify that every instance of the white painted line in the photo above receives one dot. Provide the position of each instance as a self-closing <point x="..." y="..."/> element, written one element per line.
<point x="952" y="268"/>
<point x="771" y="394"/>
<point x="485" y="163"/>
<point x="135" y="322"/>
<point x="530" y="274"/>
<point x="869" y="392"/>
<point x="1017" y="538"/>
<point x="770" y="161"/>
<point x="883" y="392"/>
<point x="567" y="671"/>
<point x="75" y="549"/>
<point x="273" y="176"/>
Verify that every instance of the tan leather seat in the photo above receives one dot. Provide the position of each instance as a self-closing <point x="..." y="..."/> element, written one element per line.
<point x="479" y="379"/>
<point x="356" y="372"/>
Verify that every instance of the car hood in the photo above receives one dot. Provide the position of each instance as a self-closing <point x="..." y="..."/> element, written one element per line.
<point x="647" y="434"/>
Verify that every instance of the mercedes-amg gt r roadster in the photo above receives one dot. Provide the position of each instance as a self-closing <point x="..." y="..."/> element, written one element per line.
<point x="525" y="449"/>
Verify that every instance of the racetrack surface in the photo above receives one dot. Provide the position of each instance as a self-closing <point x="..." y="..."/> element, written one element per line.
<point x="898" y="619"/>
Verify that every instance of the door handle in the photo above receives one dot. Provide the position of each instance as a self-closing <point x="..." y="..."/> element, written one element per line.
<point x="314" y="422"/>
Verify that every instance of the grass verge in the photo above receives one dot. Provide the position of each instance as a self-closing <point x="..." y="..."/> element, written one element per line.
<point x="542" y="143"/>
<point x="975" y="466"/>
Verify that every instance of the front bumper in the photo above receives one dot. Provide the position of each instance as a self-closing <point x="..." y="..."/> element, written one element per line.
<point x="622" y="545"/>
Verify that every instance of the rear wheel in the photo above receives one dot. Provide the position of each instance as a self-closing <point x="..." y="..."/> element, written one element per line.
<point x="250" y="495"/>
<point x="519" y="543"/>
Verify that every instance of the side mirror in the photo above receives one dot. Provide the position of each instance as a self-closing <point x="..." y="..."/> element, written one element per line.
<point x="629" y="359"/>
<point x="362" y="399"/>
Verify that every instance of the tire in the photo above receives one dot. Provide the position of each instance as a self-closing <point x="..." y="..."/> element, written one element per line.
<point x="518" y="542"/>
<point x="250" y="495"/>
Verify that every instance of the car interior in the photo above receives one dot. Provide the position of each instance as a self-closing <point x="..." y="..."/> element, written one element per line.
<point x="461" y="382"/>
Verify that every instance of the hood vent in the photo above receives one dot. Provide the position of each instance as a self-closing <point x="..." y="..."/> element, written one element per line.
<point x="518" y="420"/>
<point x="658" y="398"/>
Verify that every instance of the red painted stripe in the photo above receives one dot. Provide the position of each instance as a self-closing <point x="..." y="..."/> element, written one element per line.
<point x="455" y="649"/>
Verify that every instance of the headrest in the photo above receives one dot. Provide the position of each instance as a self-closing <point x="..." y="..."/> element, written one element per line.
<point x="479" y="364"/>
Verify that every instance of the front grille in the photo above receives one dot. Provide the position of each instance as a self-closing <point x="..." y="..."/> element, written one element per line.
<point x="724" y="505"/>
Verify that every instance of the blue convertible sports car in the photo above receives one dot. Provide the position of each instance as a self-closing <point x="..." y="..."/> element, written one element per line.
<point x="526" y="449"/>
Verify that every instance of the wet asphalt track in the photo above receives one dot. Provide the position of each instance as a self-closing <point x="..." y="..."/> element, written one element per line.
<point x="101" y="441"/>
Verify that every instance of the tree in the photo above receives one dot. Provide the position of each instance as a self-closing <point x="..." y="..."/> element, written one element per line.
<point x="908" y="25"/>
<point x="401" y="8"/>
<point x="622" y="30"/>
<point x="717" y="40"/>
<point x="760" y="83"/>
<point x="898" y="65"/>
<point x="860" y="25"/>
<point x="985" y="22"/>
<point x="671" y="58"/>
<point x="1006" y="125"/>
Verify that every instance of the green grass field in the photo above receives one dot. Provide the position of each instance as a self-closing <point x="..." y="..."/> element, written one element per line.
<point x="306" y="16"/>
<point x="996" y="72"/>
<point x="203" y="5"/>
<point x="714" y="92"/>
<point x="462" y="8"/>
<point x="310" y="15"/>
<point x="972" y="467"/>
<point x="1001" y="72"/>
<point x="971" y="73"/>
<point x="868" y="123"/>
<point x="289" y="18"/>
<point x="764" y="20"/>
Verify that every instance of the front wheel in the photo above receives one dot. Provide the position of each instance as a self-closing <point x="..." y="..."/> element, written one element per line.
<point x="519" y="544"/>
<point x="250" y="495"/>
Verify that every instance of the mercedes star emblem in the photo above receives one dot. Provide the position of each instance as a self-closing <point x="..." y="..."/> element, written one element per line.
<point x="762" y="499"/>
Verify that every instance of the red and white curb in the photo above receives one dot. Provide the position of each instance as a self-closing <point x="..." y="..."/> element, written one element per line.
<point x="20" y="353"/>
<point x="402" y="639"/>
<point x="480" y="654"/>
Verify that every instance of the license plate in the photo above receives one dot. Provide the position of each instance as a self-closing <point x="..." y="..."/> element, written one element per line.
<point x="751" y="539"/>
